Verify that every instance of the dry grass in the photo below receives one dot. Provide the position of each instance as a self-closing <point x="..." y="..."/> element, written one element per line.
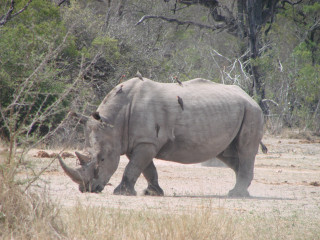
<point x="30" y="216"/>
<point x="25" y="215"/>
<point x="276" y="227"/>
<point x="83" y="222"/>
<point x="102" y="223"/>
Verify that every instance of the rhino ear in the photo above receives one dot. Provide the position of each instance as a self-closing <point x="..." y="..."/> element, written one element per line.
<point x="103" y="120"/>
<point x="96" y="115"/>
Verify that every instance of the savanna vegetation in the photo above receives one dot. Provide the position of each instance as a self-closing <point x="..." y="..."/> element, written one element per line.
<point x="63" y="55"/>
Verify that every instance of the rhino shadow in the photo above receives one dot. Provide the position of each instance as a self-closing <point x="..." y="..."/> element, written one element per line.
<point x="227" y="197"/>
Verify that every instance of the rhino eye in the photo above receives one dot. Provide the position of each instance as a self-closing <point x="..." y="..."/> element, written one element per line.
<point x="102" y="159"/>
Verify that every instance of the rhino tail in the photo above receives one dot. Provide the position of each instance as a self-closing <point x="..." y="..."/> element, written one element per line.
<point x="263" y="148"/>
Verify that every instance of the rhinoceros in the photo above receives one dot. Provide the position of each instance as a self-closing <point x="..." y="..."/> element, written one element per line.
<point x="145" y="120"/>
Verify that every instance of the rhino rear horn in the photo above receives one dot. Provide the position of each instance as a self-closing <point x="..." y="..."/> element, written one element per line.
<point x="82" y="158"/>
<point x="72" y="173"/>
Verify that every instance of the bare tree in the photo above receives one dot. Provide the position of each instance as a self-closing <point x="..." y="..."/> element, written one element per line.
<point x="243" y="19"/>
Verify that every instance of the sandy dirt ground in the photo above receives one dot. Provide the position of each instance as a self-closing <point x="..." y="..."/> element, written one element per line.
<point x="286" y="182"/>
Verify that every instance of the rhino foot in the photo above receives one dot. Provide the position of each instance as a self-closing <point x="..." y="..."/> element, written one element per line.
<point x="153" y="191"/>
<point x="236" y="193"/>
<point x="123" y="190"/>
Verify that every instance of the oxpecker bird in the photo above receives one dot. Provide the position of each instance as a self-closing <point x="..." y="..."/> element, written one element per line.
<point x="180" y="102"/>
<point x="121" y="78"/>
<point x="177" y="80"/>
<point x="157" y="129"/>
<point x="120" y="89"/>
<point x="138" y="74"/>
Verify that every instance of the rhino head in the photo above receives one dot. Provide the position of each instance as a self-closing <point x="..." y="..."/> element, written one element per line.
<point x="86" y="175"/>
<point x="95" y="171"/>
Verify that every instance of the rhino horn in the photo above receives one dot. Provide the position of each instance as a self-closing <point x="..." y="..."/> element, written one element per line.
<point x="72" y="173"/>
<point x="82" y="158"/>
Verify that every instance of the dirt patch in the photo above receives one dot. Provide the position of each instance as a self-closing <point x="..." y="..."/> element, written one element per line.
<point x="286" y="181"/>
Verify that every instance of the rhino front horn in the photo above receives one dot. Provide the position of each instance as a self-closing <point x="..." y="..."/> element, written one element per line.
<point x="82" y="158"/>
<point x="72" y="173"/>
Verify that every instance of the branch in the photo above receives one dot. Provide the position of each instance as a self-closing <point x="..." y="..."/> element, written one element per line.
<point x="291" y="3"/>
<point x="314" y="27"/>
<point x="7" y="16"/>
<point x="22" y="9"/>
<point x="270" y="100"/>
<point x="61" y="2"/>
<point x="219" y="13"/>
<point x="200" y="25"/>
<point x="4" y="19"/>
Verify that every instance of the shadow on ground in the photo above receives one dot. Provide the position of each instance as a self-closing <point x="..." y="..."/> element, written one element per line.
<point x="227" y="197"/>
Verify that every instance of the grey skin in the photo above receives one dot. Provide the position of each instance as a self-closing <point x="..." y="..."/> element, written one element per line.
<point x="145" y="121"/>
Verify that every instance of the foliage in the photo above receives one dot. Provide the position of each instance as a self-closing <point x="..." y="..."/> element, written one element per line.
<point x="290" y="66"/>
<point x="56" y="58"/>
<point x="24" y="214"/>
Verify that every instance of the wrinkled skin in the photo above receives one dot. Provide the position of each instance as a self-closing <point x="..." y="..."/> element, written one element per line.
<point x="145" y="121"/>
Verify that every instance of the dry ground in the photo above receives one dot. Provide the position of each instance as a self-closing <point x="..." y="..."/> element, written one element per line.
<point x="286" y="183"/>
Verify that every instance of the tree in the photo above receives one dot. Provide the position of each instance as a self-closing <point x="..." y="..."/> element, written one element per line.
<point x="42" y="73"/>
<point x="246" y="21"/>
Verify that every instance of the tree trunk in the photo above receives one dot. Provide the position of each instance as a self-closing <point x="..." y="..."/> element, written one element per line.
<point x="254" y="20"/>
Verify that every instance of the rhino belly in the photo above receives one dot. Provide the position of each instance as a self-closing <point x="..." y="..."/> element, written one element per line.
<point x="188" y="152"/>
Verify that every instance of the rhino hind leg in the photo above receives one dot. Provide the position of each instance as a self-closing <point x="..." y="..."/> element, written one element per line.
<point x="140" y="160"/>
<point x="244" y="176"/>
<point x="230" y="157"/>
<point x="240" y="157"/>
<point x="151" y="175"/>
<point x="245" y="147"/>
<point x="236" y="193"/>
<point x="240" y="189"/>
<point x="243" y="169"/>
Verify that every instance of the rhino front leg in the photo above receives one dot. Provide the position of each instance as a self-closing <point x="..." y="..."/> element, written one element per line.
<point x="140" y="159"/>
<point x="129" y="178"/>
<point x="153" y="189"/>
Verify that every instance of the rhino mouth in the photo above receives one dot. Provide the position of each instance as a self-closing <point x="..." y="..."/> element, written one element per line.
<point x="90" y="188"/>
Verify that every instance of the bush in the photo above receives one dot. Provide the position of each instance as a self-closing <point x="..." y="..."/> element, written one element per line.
<point x="25" y="214"/>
